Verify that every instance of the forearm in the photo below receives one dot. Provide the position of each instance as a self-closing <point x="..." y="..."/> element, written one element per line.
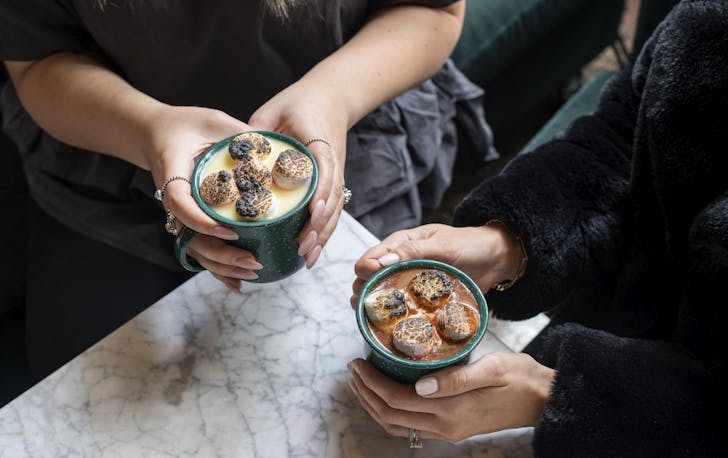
<point x="79" y="101"/>
<point x="396" y="49"/>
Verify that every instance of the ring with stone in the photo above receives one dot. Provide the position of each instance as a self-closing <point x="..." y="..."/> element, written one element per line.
<point x="159" y="193"/>
<point x="347" y="194"/>
<point x="414" y="439"/>
<point x="169" y="225"/>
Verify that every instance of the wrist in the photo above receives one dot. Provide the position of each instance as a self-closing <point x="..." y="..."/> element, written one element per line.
<point x="511" y="258"/>
<point x="541" y="388"/>
<point x="155" y="128"/>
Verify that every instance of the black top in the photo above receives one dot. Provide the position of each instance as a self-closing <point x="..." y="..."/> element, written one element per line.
<point x="229" y="55"/>
<point x="625" y="220"/>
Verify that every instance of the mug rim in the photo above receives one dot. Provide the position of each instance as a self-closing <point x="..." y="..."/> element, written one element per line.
<point x="383" y="351"/>
<point x="205" y="157"/>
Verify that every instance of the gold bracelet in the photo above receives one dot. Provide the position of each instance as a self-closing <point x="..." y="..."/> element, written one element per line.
<point x="505" y="284"/>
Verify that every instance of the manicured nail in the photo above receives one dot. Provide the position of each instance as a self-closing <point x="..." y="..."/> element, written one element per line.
<point x="248" y="263"/>
<point x="224" y="233"/>
<point x="318" y="212"/>
<point x="313" y="256"/>
<point x="425" y="386"/>
<point x="388" y="259"/>
<point x="244" y="274"/>
<point x="234" y="288"/>
<point x="308" y="242"/>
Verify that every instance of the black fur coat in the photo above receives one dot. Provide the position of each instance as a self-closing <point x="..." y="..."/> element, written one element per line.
<point x="625" y="220"/>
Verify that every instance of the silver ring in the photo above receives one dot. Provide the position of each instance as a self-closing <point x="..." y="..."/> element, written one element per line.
<point x="414" y="438"/>
<point x="169" y="224"/>
<point x="347" y="194"/>
<point x="318" y="139"/>
<point x="159" y="193"/>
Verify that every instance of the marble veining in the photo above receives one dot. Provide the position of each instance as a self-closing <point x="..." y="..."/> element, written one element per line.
<point x="208" y="373"/>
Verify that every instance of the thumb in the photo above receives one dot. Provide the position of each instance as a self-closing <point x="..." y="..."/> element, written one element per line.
<point x="486" y="372"/>
<point x="420" y="248"/>
<point x="225" y="125"/>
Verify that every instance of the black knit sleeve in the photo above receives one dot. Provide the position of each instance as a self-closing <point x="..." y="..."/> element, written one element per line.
<point x="566" y="200"/>
<point x="33" y="29"/>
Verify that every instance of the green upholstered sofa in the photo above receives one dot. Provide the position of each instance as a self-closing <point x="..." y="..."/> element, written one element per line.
<point x="521" y="51"/>
<point x="586" y="99"/>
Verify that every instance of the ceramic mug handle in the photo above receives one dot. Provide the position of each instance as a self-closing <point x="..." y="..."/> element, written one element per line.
<point x="184" y="237"/>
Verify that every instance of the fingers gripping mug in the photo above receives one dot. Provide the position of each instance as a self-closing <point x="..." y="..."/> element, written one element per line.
<point x="273" y="238"/>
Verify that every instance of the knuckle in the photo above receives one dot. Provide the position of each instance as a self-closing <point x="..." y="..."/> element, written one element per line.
<point x="175" y="200"/>
<point x="396" y="402"/>
<point x="497" y="366"/>
<point x="218" y="116"/>
<point x="411" y="248"/>
<point x="459" y="381"/>
<point x="389" y="429"/>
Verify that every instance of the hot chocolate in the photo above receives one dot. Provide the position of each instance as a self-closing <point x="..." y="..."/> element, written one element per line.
<point x="422" y="314"/>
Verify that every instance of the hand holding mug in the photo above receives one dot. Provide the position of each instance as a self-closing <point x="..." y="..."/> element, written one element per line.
<point x="309" y="114"/>
<point x="498" y="391"/>
<point x="488" y="254"/>
<point x="177" y="136"/>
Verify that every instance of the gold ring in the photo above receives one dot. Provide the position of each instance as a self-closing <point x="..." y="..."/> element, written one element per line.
<point x="318" y="139"/>
<point x="159" y="193"/>
<point x="414" y="438"/>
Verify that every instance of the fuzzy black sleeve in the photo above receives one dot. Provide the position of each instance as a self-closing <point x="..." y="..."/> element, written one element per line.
<point x="566" y="200"/>
<point x="625" y="397"/>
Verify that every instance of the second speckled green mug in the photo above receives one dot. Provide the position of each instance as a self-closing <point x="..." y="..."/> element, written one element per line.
<point x="398" y="367"/>
<point x="273" y="242"/>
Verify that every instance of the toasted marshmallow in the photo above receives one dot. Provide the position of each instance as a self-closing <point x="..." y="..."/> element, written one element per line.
<point x="292" y="169"/>
<point x="218" y="188"/>
<point x="249" y="145"/>
<point x="255" y="201"/>
<point x="430" y="289"/>
<point x="415" y="336"/>
<point x="249" y="170"/>
<point x="456" y="321"/>
<point x="385" y="307"/>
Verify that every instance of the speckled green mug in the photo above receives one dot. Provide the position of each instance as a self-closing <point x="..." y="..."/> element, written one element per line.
<point x="273" y="242"/>
<point x="406" y="370"/>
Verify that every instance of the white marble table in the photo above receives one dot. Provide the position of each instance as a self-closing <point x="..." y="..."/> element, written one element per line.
<point x="208" y="373"/>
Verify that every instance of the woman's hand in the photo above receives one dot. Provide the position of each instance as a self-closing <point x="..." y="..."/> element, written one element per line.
<point x="177" y="136"/>
<point x="305" y="110"/>
<point x="498" y="391"/>
<point x="488" y="254"/>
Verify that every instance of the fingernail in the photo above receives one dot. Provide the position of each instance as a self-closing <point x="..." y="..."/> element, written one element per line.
<point x="388" y="259"/>
<point x="234" y="288"/>
<point x="247" y="263"/>
<point x="308" y="243"/>
<point x="318" y="212"/>
<point x="224" y="233"/>
<point x="425" y="386"/>
<point x="244" y="274"/>
<point x="313" y="256"/>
